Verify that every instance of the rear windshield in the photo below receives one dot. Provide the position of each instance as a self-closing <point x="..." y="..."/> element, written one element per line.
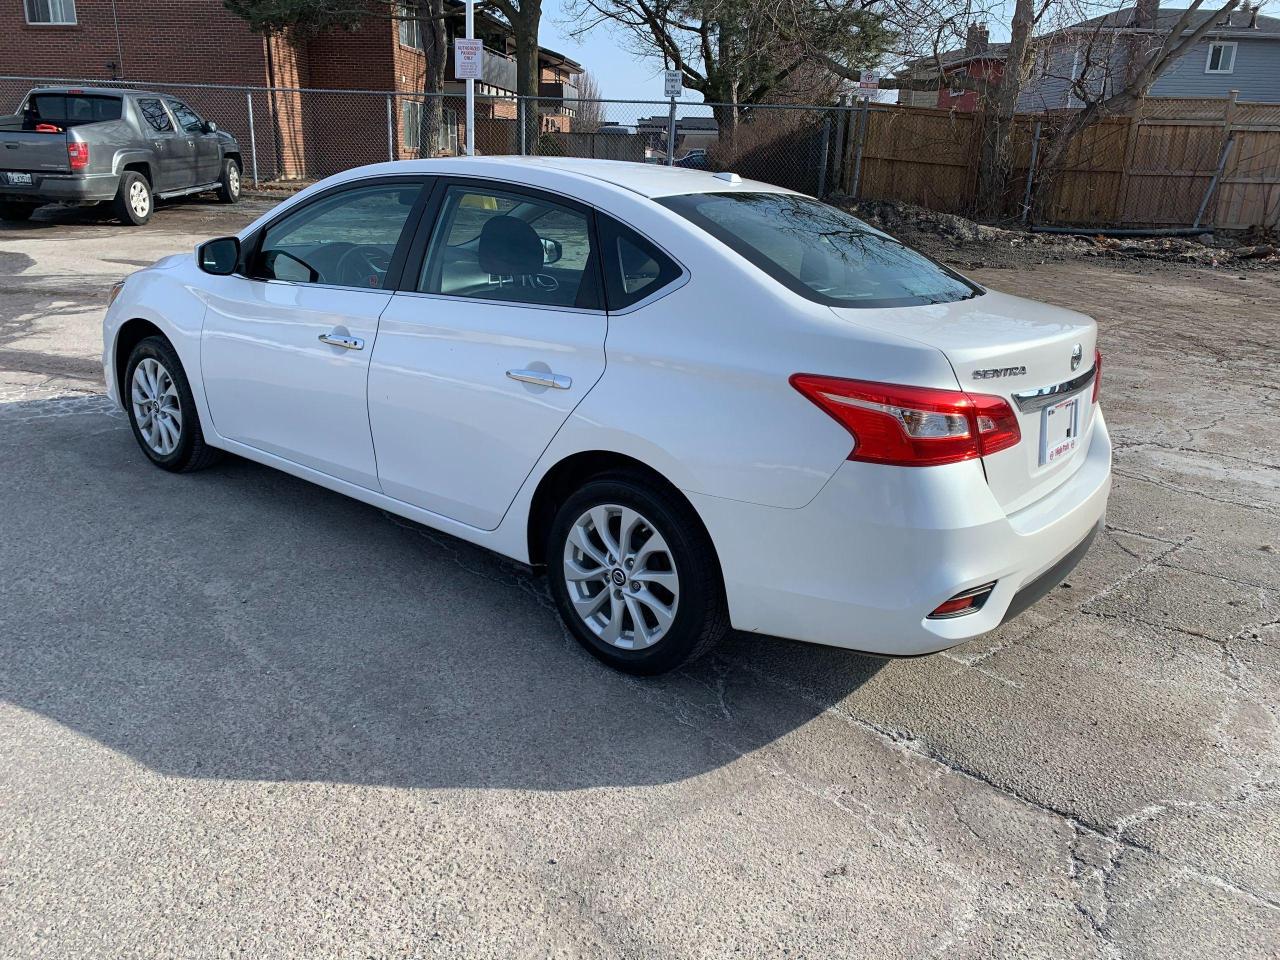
<point x="820" y="252"/>
<point x="69" y="109"/>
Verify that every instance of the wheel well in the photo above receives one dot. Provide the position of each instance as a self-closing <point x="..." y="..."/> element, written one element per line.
<point x="131" y="334"/>
<point x="142" y="168"/>
<point x="567" y="476"/>
<point x="231" y="155"/>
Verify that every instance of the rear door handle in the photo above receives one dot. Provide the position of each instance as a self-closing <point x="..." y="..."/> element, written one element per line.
<point x="540" y="378"/>
<point x="347" y="343"/>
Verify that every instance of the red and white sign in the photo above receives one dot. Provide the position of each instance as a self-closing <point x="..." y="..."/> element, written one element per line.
<point x="468" y="58"/>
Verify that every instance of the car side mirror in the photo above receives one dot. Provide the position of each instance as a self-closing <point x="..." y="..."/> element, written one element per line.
<point x="552" y="251"/>
<point x="219" y="257"/>
<point x="210" y="127"/>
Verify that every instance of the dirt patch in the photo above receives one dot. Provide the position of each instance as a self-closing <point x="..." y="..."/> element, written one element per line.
<point x="970" y="245"/>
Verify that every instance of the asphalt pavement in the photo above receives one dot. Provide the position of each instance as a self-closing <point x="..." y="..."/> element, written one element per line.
<point x="241" y="716"/>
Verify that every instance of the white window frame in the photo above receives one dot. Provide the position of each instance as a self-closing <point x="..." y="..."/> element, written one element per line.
<point x="409" y="28"/>
<point x="411" y="121"/>
<point x="1208" y="60"/>
<point x="64" y="9"/>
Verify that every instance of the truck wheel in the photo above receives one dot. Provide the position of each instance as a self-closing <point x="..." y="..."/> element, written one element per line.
<point x="229" y="186"/>
<point x="17" y="211"/>
<point x="133" y="203"/>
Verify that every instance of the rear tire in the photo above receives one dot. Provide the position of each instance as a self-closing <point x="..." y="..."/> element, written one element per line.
<point x="134" y="202"/>
<point x="229" y="185"/>
<point x="162" y="410"/>
<point x="17" y="211"/>
<point x="647" y="596"/>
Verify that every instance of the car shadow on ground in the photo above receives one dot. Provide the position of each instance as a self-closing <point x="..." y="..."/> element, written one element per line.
<point x="241" y="624"/>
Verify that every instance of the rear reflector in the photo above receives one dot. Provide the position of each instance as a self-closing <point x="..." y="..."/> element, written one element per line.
<point x="78" y="155"/>
<point x="962" y="604"/>
<point x="913" y="426"/>
<point x="1097" y="373"/>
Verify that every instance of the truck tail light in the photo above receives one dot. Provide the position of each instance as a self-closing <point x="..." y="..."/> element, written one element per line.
<point x="913" y="426"/>
<point x="1097" y="373"/>
<point x="78" y="155"/>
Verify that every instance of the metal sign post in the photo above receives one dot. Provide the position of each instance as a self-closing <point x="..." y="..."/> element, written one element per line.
<point x="672" y="87"/>
<point x="468" y="65"/>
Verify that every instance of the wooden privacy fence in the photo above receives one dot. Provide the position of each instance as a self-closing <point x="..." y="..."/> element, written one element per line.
<point x="1154" y="169"/>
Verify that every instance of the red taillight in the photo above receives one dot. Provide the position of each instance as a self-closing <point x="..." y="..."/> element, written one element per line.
<point x="913" y="426"/>
<point x="78" y="155"/>
<point x="47" y="128"/>
<point x="1097" y="373"/>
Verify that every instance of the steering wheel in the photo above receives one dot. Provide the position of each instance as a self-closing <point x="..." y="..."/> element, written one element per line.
<point x="363" y="266"/>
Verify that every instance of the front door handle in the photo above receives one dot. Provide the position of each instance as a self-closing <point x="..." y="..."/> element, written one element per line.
<point x="347" y="343"/>
<point x="541" y="378"/>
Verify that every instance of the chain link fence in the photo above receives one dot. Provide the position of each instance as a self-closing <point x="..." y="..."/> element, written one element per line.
<point x="1168" y="166"/>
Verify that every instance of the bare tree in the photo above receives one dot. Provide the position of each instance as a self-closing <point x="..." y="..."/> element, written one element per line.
<point x="1102" y="100"/>
<point x="738" y="52"/>
<point x="589" y="112"/>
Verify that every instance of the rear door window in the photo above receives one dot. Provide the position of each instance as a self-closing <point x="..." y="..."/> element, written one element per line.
<point x="70" y="110"/>
<point x="154" y="113"/>
<point x="514" y="247"/>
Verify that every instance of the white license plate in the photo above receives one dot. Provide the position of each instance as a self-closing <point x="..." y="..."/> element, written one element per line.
<point x="1059" y="430"/>
<point x="18" y="179"/>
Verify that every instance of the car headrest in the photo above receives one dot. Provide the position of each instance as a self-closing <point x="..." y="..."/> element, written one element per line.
<point x="509" y="247"/>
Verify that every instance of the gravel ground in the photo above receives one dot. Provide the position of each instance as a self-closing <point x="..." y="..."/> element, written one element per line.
<point x="242" y="716"/>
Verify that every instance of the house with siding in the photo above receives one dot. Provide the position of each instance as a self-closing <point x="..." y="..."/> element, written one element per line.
<point x="1241" y="53"/>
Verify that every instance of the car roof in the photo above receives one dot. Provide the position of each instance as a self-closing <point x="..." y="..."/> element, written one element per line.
<point x="645" y="179"/>
<point x="98" y="91"/>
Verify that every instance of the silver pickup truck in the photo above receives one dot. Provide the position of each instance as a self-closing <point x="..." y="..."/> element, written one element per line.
<point x="83" y="145"/>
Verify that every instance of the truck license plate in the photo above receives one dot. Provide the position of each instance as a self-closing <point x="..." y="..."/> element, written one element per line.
<point x="18" y="179"/>
<point x="1059" y="430"/>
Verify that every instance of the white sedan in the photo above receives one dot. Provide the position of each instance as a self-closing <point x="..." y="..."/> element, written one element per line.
<point x="698" y="402"/>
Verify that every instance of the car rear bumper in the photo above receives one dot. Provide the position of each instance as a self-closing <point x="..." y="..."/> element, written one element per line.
<point x="62" y="188"/>
<point x="863" y="564"/>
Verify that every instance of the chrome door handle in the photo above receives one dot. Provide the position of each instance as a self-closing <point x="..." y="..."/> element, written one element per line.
<point x="540" y="379"/>
<point x="347" y="343"/>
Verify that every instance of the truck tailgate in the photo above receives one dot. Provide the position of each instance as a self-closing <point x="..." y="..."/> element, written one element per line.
<point x="27" y="151"/>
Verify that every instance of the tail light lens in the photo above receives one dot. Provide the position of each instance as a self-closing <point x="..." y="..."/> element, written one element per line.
<point x="913" y="426"/>
<point x="78" y="155"/>
<point x="1097" y="373"/>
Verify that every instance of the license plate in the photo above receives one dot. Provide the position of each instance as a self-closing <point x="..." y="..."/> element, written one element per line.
<point x="18" y="179"/>
<point x="1059" y="430"/>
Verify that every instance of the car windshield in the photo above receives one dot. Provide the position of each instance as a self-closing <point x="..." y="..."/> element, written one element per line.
<point x="820" y="252"/>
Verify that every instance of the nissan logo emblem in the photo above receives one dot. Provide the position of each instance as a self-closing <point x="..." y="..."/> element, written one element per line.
<point x="1077" y="354"/>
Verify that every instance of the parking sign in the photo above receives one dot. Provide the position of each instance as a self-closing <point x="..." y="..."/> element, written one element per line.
<point x="468" y="58"/>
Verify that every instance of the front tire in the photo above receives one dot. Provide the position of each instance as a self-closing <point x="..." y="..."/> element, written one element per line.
<point x="634" y="575"/>
<point x="162" y="410"/>
<point x="229" y="185"/>
<point x="134" y="202"/>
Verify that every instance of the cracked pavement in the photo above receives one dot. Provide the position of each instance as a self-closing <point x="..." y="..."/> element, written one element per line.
<point x="242" y="716"/>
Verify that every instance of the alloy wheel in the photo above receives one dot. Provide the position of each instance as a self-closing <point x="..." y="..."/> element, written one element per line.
<point x="621" y="576"/>
<point x="139" y="199"/>
<point x="233" y="180"/>
<point x="156" y="408"/>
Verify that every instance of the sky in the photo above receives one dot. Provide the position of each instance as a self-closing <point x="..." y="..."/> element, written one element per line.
<point x="620" y="75"/>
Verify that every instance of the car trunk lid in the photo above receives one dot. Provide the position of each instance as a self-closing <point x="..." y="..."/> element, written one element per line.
<point x="1035" y="357"/>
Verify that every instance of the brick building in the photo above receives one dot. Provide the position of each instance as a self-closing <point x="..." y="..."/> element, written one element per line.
<point x="371" y="107"/>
